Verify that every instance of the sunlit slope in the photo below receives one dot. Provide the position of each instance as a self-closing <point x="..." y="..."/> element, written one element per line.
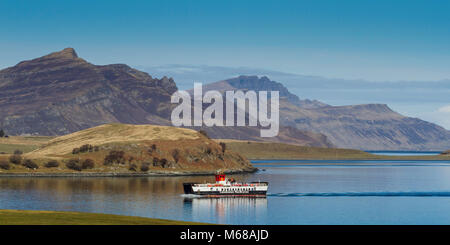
<point x="113" y="133"/>
<point x="138" y="148"/>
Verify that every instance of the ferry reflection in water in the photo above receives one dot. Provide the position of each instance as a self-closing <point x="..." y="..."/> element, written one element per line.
<point x="225" y="208"/>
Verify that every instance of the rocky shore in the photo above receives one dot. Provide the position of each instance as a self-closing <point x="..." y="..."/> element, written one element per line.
<point x="146" y="174"/>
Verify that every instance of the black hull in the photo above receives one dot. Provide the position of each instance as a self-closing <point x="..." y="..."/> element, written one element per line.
<point x="188" y="188"/>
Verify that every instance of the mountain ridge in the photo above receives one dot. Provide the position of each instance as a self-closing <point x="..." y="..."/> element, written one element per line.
<point x="61" y="93"/>
<point x="364" y="126"/>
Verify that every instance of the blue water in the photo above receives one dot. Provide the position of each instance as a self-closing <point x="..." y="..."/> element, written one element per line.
<point x="300" y="192"/>
<point x="406" y="153"/>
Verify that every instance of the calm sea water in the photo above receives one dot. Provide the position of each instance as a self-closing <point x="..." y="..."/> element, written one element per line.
<point x="300" y="192"/>
<point x="406" y="153"/>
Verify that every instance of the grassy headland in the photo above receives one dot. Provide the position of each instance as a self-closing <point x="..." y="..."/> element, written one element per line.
<point x="268" y="150"/>
<point x="122" y="149"/>
<point x="29" y="217"/>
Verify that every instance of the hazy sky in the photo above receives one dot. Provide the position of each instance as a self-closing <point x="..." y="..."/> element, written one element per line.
<point x="374" y="40"/>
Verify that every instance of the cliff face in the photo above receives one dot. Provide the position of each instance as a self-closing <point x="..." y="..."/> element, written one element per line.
<point x="367" y="127"/>
<point x="60" y="93"/>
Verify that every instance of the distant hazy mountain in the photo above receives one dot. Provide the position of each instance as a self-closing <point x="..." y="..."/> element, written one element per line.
<point x="61" y="93"/>
<point x="428" y="100"/>
<point x="368" y="127"/>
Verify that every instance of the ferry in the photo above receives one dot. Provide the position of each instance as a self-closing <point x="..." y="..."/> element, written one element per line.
<point x="226" y="187"/>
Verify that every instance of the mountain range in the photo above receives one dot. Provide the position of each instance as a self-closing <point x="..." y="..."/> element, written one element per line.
<point x="61" y="93"/>
<point x="366" y="126"/>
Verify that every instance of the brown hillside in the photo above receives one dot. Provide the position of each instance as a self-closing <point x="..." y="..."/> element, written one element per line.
<point x="158" y="147"/>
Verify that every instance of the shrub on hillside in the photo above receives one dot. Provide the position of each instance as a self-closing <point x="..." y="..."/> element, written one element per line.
<point x="164" y="162"/>
<point x="87" y="164"/>
<point x="155" y="162"/>
<point x="208" y="150"/>
<point x="160" y="162"/>
<point x="145" y="167"/>
<point x="86" y="148"/>
<point x="73" y="164"/>
<point x="30" y="164"/>
<point x="132" y="167"/>
<point x="224" y="146"/>
<point x="18" y="152"/>
<point x="152" y="149"/>
<point x="51" y="164"/>
<point x="4" y="165"/>
<point x="16" y="159"/>
<point x="115" y="157"/>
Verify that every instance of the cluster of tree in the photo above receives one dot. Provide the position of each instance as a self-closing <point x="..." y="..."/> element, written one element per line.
<point x="85" y="148"/>
<point x="16" y="158"/>
<point x="164" y="163"/>
<point x="152" y="149"/>
<point x="115" y="157"/>
<point x="51" y="164"/>
<point x="4" y="165"/>
<point x="30" y="164"/>
<point x="78" y="165"/>
<point x="145" y="167"/>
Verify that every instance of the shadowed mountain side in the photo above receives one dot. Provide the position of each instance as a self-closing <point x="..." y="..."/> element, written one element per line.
<point x="60" y="93"/>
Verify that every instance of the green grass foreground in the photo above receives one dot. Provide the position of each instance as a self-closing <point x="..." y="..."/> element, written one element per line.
<point x="29" y="217"/>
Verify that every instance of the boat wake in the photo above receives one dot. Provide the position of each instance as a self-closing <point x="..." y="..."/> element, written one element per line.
<point x="190" y="195"/>
<point x="364" y="194"/>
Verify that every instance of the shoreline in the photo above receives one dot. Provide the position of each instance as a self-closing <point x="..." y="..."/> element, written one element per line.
<point x="148" y="174"/>
<point x="399" y="159"/>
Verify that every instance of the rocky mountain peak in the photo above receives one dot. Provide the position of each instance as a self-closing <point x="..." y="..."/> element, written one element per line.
<point x="67" y="53"/>
<point x="264" y="83"/>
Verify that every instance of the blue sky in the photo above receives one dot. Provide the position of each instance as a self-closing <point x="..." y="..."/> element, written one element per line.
<point x="375" y="40"/>
<point x="370" y="40"/>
